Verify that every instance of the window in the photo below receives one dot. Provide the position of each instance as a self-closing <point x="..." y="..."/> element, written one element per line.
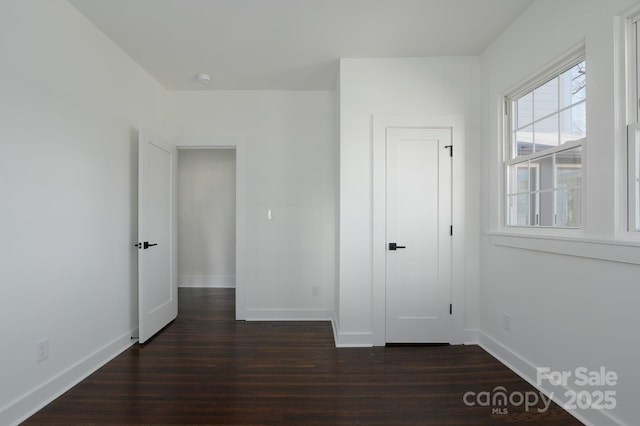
<point x="633" y="141"/>
<point x="546" y="131"/>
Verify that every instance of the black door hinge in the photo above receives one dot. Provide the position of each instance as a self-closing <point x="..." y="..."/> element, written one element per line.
<point x="450" y="147"/>
<point x="451" y="230"/>
<point x="450" y="308"/>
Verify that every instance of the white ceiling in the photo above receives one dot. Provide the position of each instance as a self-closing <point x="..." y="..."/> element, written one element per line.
<point x="290" y="44"/>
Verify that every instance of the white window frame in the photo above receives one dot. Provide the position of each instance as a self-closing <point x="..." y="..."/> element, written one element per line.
<point x="574" y="57"/>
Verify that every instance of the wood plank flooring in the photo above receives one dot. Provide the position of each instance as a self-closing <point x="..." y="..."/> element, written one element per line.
<point x="207" y="368"/>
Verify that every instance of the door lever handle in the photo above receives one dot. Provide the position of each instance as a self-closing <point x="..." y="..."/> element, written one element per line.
<point x="144" y="245"/>
<point x="395" y="246"/>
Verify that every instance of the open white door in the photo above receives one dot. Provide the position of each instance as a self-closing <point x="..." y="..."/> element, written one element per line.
<point x="157" y="288"/>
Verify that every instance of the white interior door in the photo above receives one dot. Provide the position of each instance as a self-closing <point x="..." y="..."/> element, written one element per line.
<point x="418" y="261"/>
<point x="157" y="289"/>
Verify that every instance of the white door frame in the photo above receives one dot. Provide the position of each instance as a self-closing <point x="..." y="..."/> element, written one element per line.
<point x="380" y="124"/>
<point x="241" y="209"/>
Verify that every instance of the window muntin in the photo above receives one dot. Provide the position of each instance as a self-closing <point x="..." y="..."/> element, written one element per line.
<point x="547" y="128"/>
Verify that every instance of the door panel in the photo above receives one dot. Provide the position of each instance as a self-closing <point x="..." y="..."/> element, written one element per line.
<point x="157" y="290"/>
<point x="418" y="282"/>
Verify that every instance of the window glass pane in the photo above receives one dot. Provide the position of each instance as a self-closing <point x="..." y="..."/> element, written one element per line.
<point x="573" y="123"/>
<point x="573" y="85"/>
<point x="542" y="173"/>
<point x="524" y="110"/>
<point x="518" y="214"/>
<point x="637" y="184"/>
<point x="545" y="99"/>
<point x="512" y="217"/>
<point x="542" y="208"/>
<point x="569" y="207"/>
<point x="569" y="168"/>
<point x="519" y="178"/>
<point x="524" y="141"/>
<point x="546" y="133"/>
<point x="637" y="89"/>
<point x="533" y="210"/>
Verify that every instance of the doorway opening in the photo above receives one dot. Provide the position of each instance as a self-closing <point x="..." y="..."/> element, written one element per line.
<point x="207" y="217"/>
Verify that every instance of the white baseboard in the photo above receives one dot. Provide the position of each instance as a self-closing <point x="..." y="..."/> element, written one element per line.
<point x="365" y="339"/>
<point x="288" y="314"/>
<point x="350" y="339"/>
<point x="525" y="369"/>
<point x="471" y="337"/>
<point x="208" y="281"/>
<point x="31" y="402"/>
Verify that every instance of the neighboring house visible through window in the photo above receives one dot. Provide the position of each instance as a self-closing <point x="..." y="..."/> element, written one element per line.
<point x="546" y="132"/>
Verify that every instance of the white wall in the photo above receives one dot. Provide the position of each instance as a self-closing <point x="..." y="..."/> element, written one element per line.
<point x="426" y="86"/>
<point x="71" y="103"/>
<point x="206" y="217"/>
<point x="566" y="311"/>
<point x="286" y="140"/>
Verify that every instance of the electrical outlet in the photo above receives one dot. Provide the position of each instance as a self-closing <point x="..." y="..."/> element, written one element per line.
<point x="315" y="290"/>
<point x="42" y="350"/>
<point x="506" y="322"/>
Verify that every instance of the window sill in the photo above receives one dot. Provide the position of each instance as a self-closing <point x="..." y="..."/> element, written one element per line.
<point x="613" y="250"/>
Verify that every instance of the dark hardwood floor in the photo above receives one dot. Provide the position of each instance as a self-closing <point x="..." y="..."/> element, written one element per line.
<point x="207" y="368"/>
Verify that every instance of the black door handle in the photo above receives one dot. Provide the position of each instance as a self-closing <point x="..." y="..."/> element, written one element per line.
<point x="394" y="246"/>
<point x="144" y="245"/>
